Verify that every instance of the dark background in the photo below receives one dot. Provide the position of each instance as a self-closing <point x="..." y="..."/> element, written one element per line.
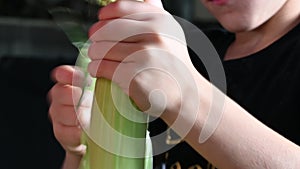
<point x="31" y="45"/>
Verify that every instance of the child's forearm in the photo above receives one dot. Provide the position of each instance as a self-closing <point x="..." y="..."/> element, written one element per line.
<point x="239" y="141"/>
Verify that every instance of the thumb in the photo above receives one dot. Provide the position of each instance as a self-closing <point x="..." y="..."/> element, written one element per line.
<point x="156" y="3"/>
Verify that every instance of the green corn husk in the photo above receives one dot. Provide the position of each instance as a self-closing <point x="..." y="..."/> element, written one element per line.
<point x="101" y="134"/>
<point x="105" y="119"/>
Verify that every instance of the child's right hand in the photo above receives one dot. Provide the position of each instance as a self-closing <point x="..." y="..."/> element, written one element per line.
<point x="63" y="98"/>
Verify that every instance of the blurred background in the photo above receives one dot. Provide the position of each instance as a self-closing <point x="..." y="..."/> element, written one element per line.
<point x="31" y="45"/>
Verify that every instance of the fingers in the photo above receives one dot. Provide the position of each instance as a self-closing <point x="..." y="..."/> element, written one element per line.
<point x="69" y="116"/>
<point x="67" y="119"/>
<point x="125" y="18"/>
<point x="134" y="29"/>
<point x="65" y="94"/>
<point x="62" y="108"/>
<point x="120" y="73"/>
<point x="63" y="114"/>
<point x="77" y="150"/>
<point x="69" y="137"/>
<point x="103" y="68"/>
<point x="64" y="119"/>
<point x="128" y="7"/>
<point x="118" y="30"/>
<point x="67" y="75"/>
<point x="63" y="74"/>
<point x="114" y="51"/>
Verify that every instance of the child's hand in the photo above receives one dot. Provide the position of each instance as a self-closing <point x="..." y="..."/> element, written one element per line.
<point x="64" y="97"/>
<point x="142" y="48"/>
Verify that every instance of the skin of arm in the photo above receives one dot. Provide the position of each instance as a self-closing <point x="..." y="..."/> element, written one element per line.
<point x="240" y="141"/>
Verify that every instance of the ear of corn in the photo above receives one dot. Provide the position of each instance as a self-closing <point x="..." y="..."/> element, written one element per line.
<point x="102" y="128"/>
<point x="105" y="148"/>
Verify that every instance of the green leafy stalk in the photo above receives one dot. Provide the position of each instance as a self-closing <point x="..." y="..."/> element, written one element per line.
<point x="109" y="104"/>
<point x="106" y="117"/>
<point x="103" y="134"/>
